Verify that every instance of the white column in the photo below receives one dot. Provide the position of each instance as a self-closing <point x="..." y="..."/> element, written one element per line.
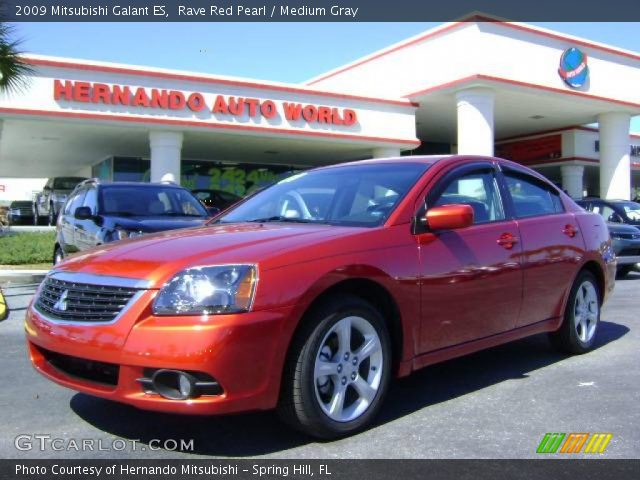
<point x="615" y="165"/>
<point x="165" y="156"/>
<point x="475" y="121"/>
<point x="572" y="183"/>
<point x="385" y="152"/>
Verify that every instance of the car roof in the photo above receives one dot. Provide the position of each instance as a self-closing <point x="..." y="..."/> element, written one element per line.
<point x="139" y="184"/>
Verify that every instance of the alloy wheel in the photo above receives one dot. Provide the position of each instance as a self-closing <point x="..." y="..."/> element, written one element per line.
<point x="586" y="311"/>
<point x="348" y="369"/>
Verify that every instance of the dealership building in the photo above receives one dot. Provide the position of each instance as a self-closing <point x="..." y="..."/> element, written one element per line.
<point x="559" y="104"/>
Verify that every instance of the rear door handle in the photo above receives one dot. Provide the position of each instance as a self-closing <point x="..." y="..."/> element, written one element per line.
<point x="570" y="230"/>
<point x="507" y="240"/>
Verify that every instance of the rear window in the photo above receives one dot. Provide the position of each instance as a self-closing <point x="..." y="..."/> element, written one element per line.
<point x="66" y="183"/>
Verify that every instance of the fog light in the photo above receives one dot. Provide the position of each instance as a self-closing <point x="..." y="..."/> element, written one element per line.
<point x="174" y="384"/>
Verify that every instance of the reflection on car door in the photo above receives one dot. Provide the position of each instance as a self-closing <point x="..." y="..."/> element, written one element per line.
<point x="552" y="246"/>
<point x="67" y="221"/>
<point x="471" y="278"/>
<point x="86" y="232"/>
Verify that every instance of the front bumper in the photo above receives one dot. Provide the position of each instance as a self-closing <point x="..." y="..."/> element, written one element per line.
<point x="243" y="352"/>
<point x="627" y="251"/>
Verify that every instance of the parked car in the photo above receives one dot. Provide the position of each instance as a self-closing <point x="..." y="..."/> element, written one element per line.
<point x="613" y="211"/>
<point x="625" y="237"/>
<point x="275" y="304"/>
<point x="215" y="200"/>
<point x="97" y="213"/>
<point x="49" y="202"/>
<point x="20" y="213"/>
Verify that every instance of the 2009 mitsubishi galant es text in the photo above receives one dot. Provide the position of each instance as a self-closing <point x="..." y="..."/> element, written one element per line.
<point x="312" y="294"/>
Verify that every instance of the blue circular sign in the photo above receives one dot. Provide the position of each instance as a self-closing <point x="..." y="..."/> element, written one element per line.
<point x="573" y="67"/>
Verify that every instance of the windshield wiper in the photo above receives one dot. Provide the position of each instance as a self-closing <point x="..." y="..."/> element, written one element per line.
<point x="178" y="214"/>
<point x="280" y="218"/>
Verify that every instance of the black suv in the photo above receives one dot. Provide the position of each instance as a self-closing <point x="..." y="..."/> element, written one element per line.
<point x="97" y="213"/>
<point x="623" y="220"/>
<point x="614" y="211"/>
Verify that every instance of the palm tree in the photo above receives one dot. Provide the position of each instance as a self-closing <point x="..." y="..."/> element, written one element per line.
<point x="13" y="68"/>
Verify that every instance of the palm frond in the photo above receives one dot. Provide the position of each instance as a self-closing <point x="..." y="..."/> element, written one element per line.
<point x="14" y="70"/>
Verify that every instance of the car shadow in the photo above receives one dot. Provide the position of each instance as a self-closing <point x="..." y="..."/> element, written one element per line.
<point x="262" y="433"/>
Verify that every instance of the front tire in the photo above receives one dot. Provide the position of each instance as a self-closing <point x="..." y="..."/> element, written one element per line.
<point x="52" y="216"/>
<point x="58" y="255"/>
<point x="578" y="331"/>
<point x="338" y="370"/>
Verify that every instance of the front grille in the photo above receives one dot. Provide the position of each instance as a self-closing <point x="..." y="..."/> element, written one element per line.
<point x="81" y="302"/>
<point x="629" y="252"/>
<point x="99" y="372"/>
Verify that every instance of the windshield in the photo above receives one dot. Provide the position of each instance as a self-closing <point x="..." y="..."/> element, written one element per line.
<point x="356" y="195"/>
<point x="131" y="200"/>
<point x="66" y="183"/>
<point x="632" y="211"/>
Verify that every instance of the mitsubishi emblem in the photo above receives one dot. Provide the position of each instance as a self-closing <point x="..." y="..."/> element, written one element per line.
<point x="61" y="304"/>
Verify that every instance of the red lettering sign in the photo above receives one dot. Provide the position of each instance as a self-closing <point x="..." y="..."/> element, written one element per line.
<point x="531" y="150"/>
<point x="222" y="106"/>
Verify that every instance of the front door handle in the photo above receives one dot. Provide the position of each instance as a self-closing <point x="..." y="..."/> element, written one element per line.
<point x="507" y="240"/>
<point x="570" y="230"/>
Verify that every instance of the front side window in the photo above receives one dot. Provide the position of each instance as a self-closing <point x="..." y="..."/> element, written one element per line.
<point x="74" y="202"/>
<point x="91" y="200"/>
<point x="356" y="195"/>
<point x="131" y="200"/>
<point x="478" y="190"/>
<point x="531" y="197"/>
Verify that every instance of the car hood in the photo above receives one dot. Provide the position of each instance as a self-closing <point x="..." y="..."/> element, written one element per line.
<point x="158" y="257"/>
<point x="157" y="224"/>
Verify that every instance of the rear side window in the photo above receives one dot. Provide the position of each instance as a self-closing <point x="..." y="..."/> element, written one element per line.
<point x="532" y="197"/>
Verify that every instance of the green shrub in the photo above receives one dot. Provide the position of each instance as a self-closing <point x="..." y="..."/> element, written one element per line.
<point x="26" y="248"/>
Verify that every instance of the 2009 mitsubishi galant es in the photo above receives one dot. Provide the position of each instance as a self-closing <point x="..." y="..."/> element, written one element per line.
<point x="312" y="294"/>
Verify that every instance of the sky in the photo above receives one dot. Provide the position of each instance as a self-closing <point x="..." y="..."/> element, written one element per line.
<point x="286" y="52"/>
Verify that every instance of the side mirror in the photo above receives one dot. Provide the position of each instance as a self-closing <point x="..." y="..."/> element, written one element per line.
<point x="47" y="189"/>
<point x="83" y="213"/>
<point x="449" y="217"/>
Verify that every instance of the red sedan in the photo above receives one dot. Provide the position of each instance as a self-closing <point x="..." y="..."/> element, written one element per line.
<point x="311" y="295"/>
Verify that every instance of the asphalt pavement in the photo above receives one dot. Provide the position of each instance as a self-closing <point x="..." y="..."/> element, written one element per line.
<point x="494" y="404"/>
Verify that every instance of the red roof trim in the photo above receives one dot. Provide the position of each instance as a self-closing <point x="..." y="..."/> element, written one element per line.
<point x="518" y="83"/>
<point x="191" y="123"/>
<point x="480" y="18"/>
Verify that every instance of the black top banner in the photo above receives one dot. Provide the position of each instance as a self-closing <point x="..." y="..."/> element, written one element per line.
<point x="316" y="10"/>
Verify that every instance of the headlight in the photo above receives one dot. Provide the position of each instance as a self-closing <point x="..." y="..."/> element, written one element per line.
<point x="208" y="290"/>
<point x="120" y="234"/>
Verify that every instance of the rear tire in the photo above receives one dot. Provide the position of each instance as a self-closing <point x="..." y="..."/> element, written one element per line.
<point x="338" y="369"/>
<point x="579" y="328"/>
